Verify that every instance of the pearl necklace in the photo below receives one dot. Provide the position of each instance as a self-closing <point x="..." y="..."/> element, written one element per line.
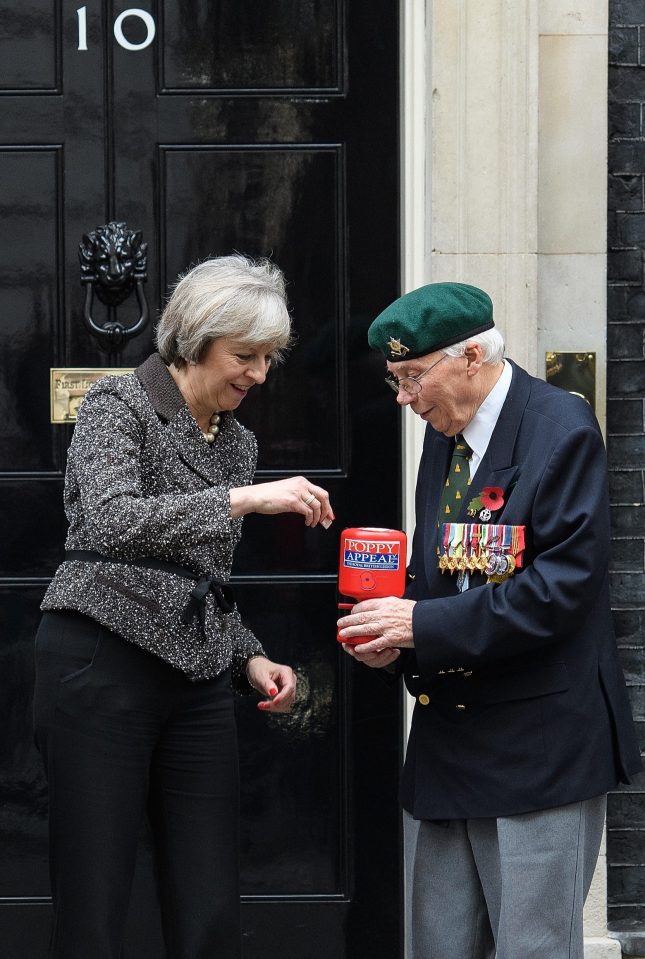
<point x="213" y="429"/>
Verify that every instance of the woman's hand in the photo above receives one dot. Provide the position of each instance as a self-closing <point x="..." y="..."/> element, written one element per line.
<point x="273" y="680"/>
<point x="294" y="495"/>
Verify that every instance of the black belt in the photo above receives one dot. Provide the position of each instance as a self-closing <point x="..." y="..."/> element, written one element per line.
<point x="196" y="605"/>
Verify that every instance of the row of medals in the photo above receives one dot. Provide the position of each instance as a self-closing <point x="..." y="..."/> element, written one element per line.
<point x="495" y="564"/>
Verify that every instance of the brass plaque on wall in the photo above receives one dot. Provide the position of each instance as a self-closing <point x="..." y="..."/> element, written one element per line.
<point x="574" y="372"/>
<point x="68" y="386"/>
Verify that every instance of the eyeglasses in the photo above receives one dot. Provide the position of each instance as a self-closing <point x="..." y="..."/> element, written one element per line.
<point x="410" y="384"/>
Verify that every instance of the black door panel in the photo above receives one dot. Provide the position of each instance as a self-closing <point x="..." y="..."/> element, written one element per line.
<point x="271" y="129"/>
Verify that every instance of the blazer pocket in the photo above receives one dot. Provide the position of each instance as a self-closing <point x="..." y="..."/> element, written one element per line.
<point x="104" y="579"/>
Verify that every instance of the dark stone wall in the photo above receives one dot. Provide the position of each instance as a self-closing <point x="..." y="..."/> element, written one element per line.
<point x="625" y="429"/>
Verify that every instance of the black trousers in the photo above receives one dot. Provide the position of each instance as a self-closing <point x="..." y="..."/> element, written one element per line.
<point x="121" y="734"/>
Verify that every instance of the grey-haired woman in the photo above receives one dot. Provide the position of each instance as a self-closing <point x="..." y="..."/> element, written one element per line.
<point x="141" y="641"/>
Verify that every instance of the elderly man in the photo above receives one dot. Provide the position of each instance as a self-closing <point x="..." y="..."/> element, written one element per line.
<point x="521" y="722"/>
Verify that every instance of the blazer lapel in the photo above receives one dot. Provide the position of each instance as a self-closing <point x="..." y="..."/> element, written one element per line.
<point x="182" y="431"/>
<point x="191" y="447"/>
<point x="437" y="457"/>
<point x="496" y="467"/>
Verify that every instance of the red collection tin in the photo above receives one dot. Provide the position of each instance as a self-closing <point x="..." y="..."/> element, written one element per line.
<point x="371" y="565"/>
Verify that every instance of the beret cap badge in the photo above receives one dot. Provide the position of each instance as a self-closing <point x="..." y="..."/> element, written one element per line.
<point x="397" y="347"/>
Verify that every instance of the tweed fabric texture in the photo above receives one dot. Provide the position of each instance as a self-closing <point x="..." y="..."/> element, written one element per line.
<point x="429" y="319"/>
<point x="142" y="482"/>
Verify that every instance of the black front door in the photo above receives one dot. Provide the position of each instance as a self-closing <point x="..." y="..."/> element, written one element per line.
<point x="268" y="128"/>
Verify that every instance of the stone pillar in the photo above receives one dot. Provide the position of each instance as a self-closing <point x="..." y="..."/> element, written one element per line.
<point x="572" y="183"/>
<point x="482" y="225"/>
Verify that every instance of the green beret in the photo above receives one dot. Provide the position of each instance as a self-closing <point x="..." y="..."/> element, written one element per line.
<point x="429" y="319"/>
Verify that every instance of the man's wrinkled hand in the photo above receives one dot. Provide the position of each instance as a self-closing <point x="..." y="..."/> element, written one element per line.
<point x="388" y="620"/>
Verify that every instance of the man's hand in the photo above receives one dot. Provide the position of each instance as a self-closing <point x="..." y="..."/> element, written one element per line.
<point x="389" y="620"/>
<point x="375" y="660"/>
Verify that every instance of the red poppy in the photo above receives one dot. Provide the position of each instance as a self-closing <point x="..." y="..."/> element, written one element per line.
<point x="492" y="497"/>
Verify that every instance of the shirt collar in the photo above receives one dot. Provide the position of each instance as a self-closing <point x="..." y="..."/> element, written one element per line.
<point x="480" y="429"/>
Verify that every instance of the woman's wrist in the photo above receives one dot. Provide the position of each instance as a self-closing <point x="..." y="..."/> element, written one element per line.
<point x="251" y="657"/>
<point x="241" y="498"/>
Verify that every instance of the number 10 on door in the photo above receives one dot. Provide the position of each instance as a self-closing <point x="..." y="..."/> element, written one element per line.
<point x="119" y="36"/>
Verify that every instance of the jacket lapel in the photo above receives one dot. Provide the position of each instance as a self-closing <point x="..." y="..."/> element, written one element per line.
<point x="437" y="459"/>
<point x="191" y="447"/>
<point x="182" y="431"/>
<point x="496" y="467"/>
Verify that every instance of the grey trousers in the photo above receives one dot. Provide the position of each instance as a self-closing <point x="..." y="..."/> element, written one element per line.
<point x="510" y="888"/>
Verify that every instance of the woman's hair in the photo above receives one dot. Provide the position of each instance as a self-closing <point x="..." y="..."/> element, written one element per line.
<point x="232" y="296"/>
<point x="491" y="342"/>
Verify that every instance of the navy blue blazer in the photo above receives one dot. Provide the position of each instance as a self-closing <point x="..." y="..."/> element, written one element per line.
<point x="521" y="701"/>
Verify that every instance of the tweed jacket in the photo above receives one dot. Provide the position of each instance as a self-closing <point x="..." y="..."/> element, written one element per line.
<point x="521" y="703"/>
<point x="141" y="482"/>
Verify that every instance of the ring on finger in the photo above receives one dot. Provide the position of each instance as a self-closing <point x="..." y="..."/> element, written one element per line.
<point x="309" y="500"/>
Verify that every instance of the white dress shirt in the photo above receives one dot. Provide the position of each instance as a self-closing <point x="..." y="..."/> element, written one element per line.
<point x="480" y="429"/>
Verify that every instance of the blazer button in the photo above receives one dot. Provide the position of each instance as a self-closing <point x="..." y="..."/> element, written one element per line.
<point x="424" y="699"/>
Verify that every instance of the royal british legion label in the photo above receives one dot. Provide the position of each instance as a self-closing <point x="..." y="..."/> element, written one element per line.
<point x="371" y="554"/>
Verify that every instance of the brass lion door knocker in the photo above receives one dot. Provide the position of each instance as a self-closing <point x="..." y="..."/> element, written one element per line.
<point x="113" y="264"/>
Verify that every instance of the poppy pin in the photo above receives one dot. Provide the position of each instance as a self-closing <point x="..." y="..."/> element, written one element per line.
<point x="489" y="501"/>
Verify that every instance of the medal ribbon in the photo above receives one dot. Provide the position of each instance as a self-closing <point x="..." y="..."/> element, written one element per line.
<point x="463" y="545"/>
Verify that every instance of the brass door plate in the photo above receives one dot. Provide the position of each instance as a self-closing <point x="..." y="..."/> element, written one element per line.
<point x="574" y="372"/>
<point x="68" y="386"/>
